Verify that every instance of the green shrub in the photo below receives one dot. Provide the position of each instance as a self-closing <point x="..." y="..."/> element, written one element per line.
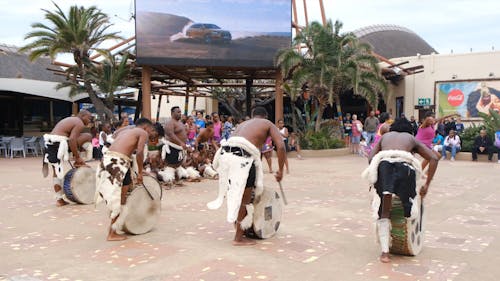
<point x="320" y="140"/>
<point x="467" y="137"/>
<point x="491" y="122"/>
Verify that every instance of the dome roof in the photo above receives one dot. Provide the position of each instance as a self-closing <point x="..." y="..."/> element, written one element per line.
<point x="393" y="41"/>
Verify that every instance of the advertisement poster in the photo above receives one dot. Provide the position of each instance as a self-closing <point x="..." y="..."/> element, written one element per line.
<point x="229" y="33"/>
<point x="468" y="98"/>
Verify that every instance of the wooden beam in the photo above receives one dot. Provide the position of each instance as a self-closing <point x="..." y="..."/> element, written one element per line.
<point x="174" y="74"/>
<point x="323" y="17"/>
<point x="239" y="85"/>
<point x="278" y="100"/>
<point x="146" y="92"/>
<point x="114" y="47"/>
<point x="305" y="12"/>
<point x="295" y="22"/>
<point x="186" y="101"/>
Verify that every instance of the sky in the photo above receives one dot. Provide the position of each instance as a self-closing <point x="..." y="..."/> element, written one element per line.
<point x="446" y="25"/>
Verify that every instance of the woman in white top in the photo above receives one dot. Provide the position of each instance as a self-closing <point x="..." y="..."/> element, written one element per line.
<point x="451" y="143"/>
<point x="284" y="135"/>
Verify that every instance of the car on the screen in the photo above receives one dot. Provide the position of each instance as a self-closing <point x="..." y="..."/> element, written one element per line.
<point x="208" y="33"/>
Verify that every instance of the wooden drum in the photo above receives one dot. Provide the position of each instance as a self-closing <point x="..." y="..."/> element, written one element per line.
<point x="144" y="206"/>
<point x="80" y="184"/>
<point x="267" y="215"/>
<point x="407" y="234"/>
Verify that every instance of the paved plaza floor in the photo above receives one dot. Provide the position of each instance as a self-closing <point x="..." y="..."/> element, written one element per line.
<point x="326" y="233"/>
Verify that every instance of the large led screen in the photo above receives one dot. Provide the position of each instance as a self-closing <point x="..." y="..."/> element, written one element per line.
<point x="231" y="33"/>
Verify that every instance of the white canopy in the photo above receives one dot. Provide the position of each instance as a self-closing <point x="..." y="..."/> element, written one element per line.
<point x="38" y="88"/>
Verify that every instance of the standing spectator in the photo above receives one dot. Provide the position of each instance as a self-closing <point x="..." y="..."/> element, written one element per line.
<point x="414" y="124"/>
<point x="371" y="125"/>
<point x="192" y="130"/>
<point x="441" y="127"/>
<point x="228" y="128"/>
<point x="451" y="143"/>
<point x="200" y="121"/>
<point x="483" y="145"/>
<point x="217" y="127"/>
<point x="383" y="127"/>
<point x="449" y="124"/>
<point x="459" y="126"/>
<point x="124" y="115"/>
<point x="348" y="129"/>
<point x="357" y="129"/>
<point x="284" y="136"/>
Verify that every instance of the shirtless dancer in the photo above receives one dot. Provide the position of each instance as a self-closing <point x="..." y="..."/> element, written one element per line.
<point x="205" y="138"/>
<point x="176" y="136"/>
<point x="394" y="170"/>
<point x="67" y="133"/>
<point x="114" y="172"/>
<point x="240" y="170"/>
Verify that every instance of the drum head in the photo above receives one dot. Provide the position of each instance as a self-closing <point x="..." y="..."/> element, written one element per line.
<point x="267" y="215"/>
<point x="82" y="185"/>
<point x="144" y="206"/>
<point x="407" y="234"/>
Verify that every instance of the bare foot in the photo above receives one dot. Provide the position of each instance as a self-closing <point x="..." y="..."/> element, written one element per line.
<point x="384" y="257"/>
<point x="287" y="172"/>
<point x="167" y="186"/>
<point x="61" y="202"/>
<point x="179" y="183"/>
<point x="113" y="236"/>
<point x="244" y="242"/>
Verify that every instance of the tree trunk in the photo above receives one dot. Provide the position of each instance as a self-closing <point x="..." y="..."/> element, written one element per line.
<point x="294" y="118"/>
<point x="319" y="117"/>
<point x="102" y="111"/>
<point x="233" y="110"/>
<point x="339" y="112"/>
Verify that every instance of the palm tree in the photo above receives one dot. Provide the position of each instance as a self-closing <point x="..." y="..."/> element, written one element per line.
<point x="331" y="63"/>
<point x="110" y="75"/>
<point x="78" y="32"/>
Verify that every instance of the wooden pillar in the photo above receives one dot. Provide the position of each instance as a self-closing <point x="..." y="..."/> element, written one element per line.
<point x="278" y="100"/>
<point x="248" y="84"/>
<point x="194" y="105"/>
<point x="158" y="108"/>
<point x="146" y="92"/>
<point x="51" y="113"/>
<point x="74" y="108"/>
<point x="322" y="12"/>
<point x="119" y="110"/>
<point x="138" y="106"/>
<point x="186" y="101"/>
<point x="295" y="18"/>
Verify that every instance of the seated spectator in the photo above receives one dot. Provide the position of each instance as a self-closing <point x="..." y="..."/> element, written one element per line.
<point x="294" y="145"/>
<point x="483" y="145"/>
<point x="437" y="143"/>
<point x="452" y="144"/>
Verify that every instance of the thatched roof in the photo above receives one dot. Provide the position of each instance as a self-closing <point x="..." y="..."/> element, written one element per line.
<point x="14" y="64"/>
<point x="392" y="41"/>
